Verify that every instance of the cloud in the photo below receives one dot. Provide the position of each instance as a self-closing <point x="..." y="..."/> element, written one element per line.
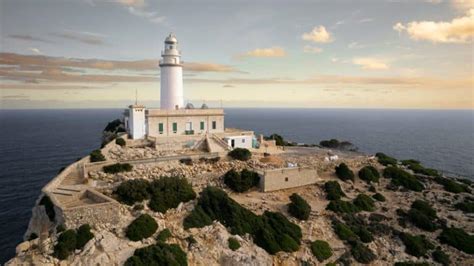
<point x="462" y="5"/>
<point x="26" y="37"/>
<point x="433" y="1"/>
<point x="459" y="30"/>
<point x="209" y="67"/>
<point x="319" y="34"/>
<point x="312" y="49"/>
<point x="266" y="52"/>
<point x="370" y="63"/>
<point x="366" y="20"/>
<point x="150" y="16"/>
<point x="35" y="50"/>
<point x="83" y="37"/>
<point x="355" y="45"/>
<point x="228" y="86"/>
<point x="132" y="3"/>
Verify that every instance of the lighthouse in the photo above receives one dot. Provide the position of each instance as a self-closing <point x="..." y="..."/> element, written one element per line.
<point x="171" y="96"/>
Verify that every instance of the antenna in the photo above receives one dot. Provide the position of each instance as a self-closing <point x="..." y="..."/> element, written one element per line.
<point x="136" y="97"/>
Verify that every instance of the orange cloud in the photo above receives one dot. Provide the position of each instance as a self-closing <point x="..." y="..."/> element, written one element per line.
<point x="319" y="34"/>
<point x="370" y="63"/>
<point x="266" y="52"/>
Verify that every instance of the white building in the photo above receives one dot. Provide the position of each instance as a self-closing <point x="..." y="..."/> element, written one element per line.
<point x="175" y="126"/>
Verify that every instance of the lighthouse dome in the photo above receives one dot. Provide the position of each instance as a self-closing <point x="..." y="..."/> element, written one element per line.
<point x="171" y="39"/>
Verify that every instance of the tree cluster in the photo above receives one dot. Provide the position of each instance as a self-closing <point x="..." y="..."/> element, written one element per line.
<point x="240" y="154"/>
<point x="241" y="181"/>
<point x="70" y="240"/>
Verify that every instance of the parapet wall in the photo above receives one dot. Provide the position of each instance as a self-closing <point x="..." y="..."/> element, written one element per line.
<point x="283" y="178"/>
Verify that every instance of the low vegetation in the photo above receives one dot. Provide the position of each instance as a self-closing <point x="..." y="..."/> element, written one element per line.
<point x="142" y="227"/>
<point x="362" y="253"/>
<point x="233" y="243"/>
<point x="49" y="207"/>
<point x="241" y="182"/>
<point x="423" y="216"/>
<point x="416" y="246"/>
<point x="379" y="197"/>
<point x="364" y="203"/>
<point x="120" y="141"/>
<point x="70" y="240"/>
<point x="336" y="144"/>
<point x="298" y="207"/>
<point x="169" y="192"/>
<point x="466" y="206"/>
<point x="131" y="191"/>
<point x="333" y="190"/>
<point x="458" y="238"/>
<point x="96" y="156"/>
<point x="369" y="174"/>
<point x="158" y="254"/>
<point x="343" y="231"/>
<point x="117" y="168"/>
<point x="270" y="231"/>
<point x="240" y="154"/>
<point x="386" y="160"/>
<point x="279" y="140"/>
<point x="341" y="206"/>
<point x="402" y="178"/>
<point x="321" y="250"/>
<point x="417" y="168"/>
<point x="441" y="257"/>
<point x="452" y="186"/>
<point x="163" y="235"/>
<point x="344" y="173"/>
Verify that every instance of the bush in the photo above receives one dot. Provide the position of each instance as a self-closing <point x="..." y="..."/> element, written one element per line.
<point x="84" y="234"/>
<point x="385" y="159"/>
<point x="131" y="191"/>
<point x="364" y="203"/>
<point x="361" y="253"/>
<point x="321" y="250"/>
<point x="369" y="174"/>
<point x="48" y="206"/>
<point x="241" y="182"/>
<point x="417" y="168"/>
<point x="113" y="125"/>
<point x="233" y="243"/>
<point x="402" y="178"/>
<point x="458" y="238"/>
<point x="96" y="156"/>
<point x="416" y="246"/>
<point x="452" y="186"/>
<point x="343" y="231"/>
<point x="341" y="206"/>
<point x="422" y="215"/>
<point x="66" y="244"/>
<point x="60" y="228"/>
<point x="240" y="154"/>
<point x="465" y="206"/>
<point x="441" y="257"/>
<point x="158" y="254"/>
<point x="298" y="207"/>
<point x="270" y="231"/>
<point x="169" y="192"/>
<point x="279" y="141"/>
<point x="332" y="143"/>
<point x="120" y="142"/>
<point x="364" y="234"/>
<point x="378" y="197"/>
<point x="163" y="235"/>
<point x="344" y="173"/>
<point x="117" y="168"/>
<point x="333" y="190"/>
<point x="142" y="227"/>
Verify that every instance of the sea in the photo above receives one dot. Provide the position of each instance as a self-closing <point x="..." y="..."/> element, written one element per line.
<point x="35" y="144"/>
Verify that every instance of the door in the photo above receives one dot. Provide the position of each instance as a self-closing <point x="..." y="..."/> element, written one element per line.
<point x="232" y="143"/>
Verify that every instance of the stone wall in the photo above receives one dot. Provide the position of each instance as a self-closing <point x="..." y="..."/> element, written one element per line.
<point x="276" y="179"/>
<point x="105" y="214"/>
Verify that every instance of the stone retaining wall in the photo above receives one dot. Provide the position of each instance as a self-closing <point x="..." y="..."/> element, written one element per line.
<point x="106" y="214"/>
<point x="283" y="178"/>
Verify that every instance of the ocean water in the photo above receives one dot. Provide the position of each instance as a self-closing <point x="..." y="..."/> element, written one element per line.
<point x="35" y="144"/>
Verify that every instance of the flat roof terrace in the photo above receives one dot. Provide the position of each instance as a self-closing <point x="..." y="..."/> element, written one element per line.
<point x="185" y="112"/>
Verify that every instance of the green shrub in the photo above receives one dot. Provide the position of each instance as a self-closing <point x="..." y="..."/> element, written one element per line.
<point x="333" y="190"/>
<point x="416" y="246"/>
<point x="142" y="227"/>
<point x="332" y="143"/>
<point x="120" y="141"/>
<point x="48" y="206"/>
<point x="117" y="168"/>
<point x="83" y="236"/>
<point x="363" y="234"/>
<point x="344" y="173"/>
<point x="385" y="159"/>
<point x="452" y="186"/>
<point x="341" y="206"/>
<point x="132" y="191"/>
<point x="361" y="253"/>
<point x="321" y="250"/>
<point x="169" y="192"/>
<point x="112" y="126"/>
<point x="240" y="154"/>
<point x="402" y="178"/>
<point x="422" y="215"/>
<point x="298" y="207"/>
<point x="66" y="244"/>
<point x="241" y="182"/>
<point x="279" y="141"/>
<point x="343" y="231"/>
<point x="96" y="156"/>
<point x="465" y="206"/>
<point x="441" y="257"/>
<point x="378" y="197"/>
<point x="417" y="168"/>
<point x="369" y="174"/>
<point x="60" y="228"/>
<point x="364" y="203"/>
<point x="458" y="238"/>
<point x="270" y="231"/>
<point x="163" y="235"/>
<point x="158" y="254"/>
<point x="233" y="243"/>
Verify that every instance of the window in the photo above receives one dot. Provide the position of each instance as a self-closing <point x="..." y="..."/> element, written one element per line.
<point x="214" y="124"/>
<point x="243" y="140"/>
<point x="202" y="125"/>
<point x="286" y="179"/>
<point x="175" y="127"/>
<point x="160" y="128"/>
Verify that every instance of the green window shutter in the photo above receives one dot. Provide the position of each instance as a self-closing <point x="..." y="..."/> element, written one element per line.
<point x="175" y="127"/>
<point x="202" y="125"/>
<point x="160" y="127"/>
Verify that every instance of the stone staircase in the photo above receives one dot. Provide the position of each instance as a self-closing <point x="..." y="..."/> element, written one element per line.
<point x="215" y="144"/>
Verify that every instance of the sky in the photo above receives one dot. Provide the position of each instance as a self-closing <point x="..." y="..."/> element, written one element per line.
<point x="238" y="53"/>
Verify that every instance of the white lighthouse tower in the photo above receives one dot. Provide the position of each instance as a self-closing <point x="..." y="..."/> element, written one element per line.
<point x="171" y="75"/>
